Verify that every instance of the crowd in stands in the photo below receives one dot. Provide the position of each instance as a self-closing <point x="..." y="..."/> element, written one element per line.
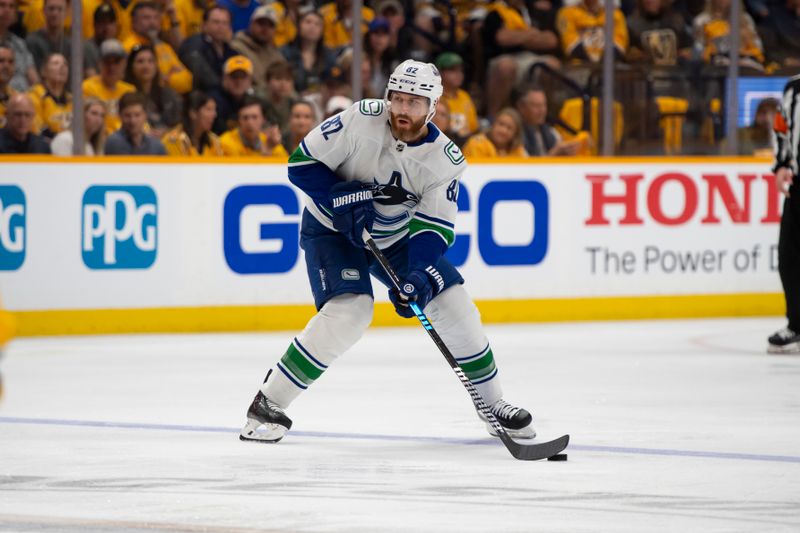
<point x="251" y="78"/>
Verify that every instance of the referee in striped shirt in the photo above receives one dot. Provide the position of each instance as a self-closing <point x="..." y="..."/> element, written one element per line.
<point x="787" y="168"/>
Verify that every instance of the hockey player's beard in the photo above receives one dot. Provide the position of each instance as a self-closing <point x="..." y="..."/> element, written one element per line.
<point x="406" y="129"/>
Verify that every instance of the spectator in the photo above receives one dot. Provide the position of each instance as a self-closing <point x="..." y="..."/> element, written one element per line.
<point x="280" y="94"/>
<point x="540" y="138"/>
<point x="257" y="43"/>
<point x="131" y="139"/>
<point x="241" y="12"/>
<point x="338" y="17"/>
<point x="582" y="28"/>
<point x="6" y="73"/>
<point x="16" y="137"/>
<point x="51" y="100"/>
<point x="712" y="31"/>
<point x="442" y="121"/>
<point x="25" y="74"/>
<point x="248" y="139"/>
<point x="94" y="132"/>
<point x="756" y="139"/>
<point x="191" y="14"/>
<point x="194" y="137"/>
<point x="289" y="14"/>
<point x="237" y="83"/>
<point x="658" y="34"/>
<point x="163" y="105"/>
<point x="205" y="53"/>
<point x="145" y="23"/>
<point x="781" y="33"/>
<point x="512" y="45"/>
<point x="504" y="138"/>
<point x="382" y="57"/>
<point x="301" y="121"/>
<point x="400" y="34"/>
<point x="463" y="117"/>
<point x="104" y="22"/>
<point x="52" y="38"/>
<point x="308" y="55"/>
<point x="108" y="86"/>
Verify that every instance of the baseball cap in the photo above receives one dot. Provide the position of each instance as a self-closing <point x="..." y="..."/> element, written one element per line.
<point x="378" y="24"/>
<point x="337" y="103"/>
<point x="265" y="12"/>
<point x="112" y="48"/>
<point x="448" y="60"/>
<point x="105" y="12"/>
<point x="237" y="63"/>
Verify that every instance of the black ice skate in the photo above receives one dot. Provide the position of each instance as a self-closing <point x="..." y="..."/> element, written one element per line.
<point x="517" y="422"/>
<point x="263" y="412"/>
<point x="784" y="341"/>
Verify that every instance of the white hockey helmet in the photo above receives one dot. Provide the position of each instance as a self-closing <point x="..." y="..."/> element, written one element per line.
<point x="417" y="78"/>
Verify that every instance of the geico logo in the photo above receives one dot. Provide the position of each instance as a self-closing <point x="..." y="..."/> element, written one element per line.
<point x="261" y="226"/>
<point x="12" y="227"/>
<point x="260" y="229"/>
<point x="12" y="232"/>
<point x="674" y="198"/>
<point x="119" y="227"/>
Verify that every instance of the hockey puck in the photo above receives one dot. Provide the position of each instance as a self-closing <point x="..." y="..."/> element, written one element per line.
<point x="558" y="457"/>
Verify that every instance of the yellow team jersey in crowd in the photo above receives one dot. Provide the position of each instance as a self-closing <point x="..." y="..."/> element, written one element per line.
<point x="233" y="145"/>
<point x="4" y="98"/>
<point x="178" y="143"/>
<point x="173" y="72"/>
<point x="190" y="16"/>
<point x="286" y="30"/>
<point x="512" y="19"/>
<point x="335" y="34"/>
<point x="52" y="114"/>
<point x="715" y="34"/>
<point x="463" y="117"/>
<point x="479" y="145"/>
<point x="94" y="87"/>
<point x="579" y="26"/>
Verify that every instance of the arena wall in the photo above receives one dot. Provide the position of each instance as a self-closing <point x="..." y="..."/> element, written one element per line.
<point x="150" y="244"/>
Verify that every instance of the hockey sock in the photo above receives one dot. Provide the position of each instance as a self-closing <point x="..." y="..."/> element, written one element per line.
<point x="458" y="322"/>
<point x="332" y="331"/>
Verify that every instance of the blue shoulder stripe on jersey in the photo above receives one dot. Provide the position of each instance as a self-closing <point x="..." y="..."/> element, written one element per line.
<point x="305" y="148"/>
<point x="433" y="133"/>
<point x="434" y="220"/>
<point x="315" y="180"/>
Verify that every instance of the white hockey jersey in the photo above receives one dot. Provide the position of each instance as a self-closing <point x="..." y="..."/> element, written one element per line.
<point x="415" y="186"/>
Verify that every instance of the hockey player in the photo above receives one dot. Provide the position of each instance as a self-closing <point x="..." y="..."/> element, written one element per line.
<point x="380" y="165"/>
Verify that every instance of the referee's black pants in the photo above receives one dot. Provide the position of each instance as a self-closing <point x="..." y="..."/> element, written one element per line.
<point x="789" y="257"/>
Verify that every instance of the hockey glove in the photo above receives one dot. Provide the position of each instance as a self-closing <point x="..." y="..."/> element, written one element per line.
<point x="420" y="286"/>
<point x="352" y="210"/>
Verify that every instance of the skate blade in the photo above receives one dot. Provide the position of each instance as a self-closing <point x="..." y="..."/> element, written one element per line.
<point x="525" y="433"/>
<point x="270" y="433"/>
<point x="783" y="350"/>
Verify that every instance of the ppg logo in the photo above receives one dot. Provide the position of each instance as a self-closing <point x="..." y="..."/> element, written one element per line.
<point x="12" y="227"/>
<point x="119" y="227"/>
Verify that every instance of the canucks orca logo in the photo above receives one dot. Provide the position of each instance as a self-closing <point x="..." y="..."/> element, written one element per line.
<point x="393" y="192"/>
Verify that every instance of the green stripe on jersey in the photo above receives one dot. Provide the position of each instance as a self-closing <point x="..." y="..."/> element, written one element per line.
<point x="417" y="226"/>
<point x="480" y="367"/>
<point x="300" y="366"/>
<point x="299" y="156"/>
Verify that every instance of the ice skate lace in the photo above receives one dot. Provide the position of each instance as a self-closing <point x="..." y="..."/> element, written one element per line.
<point x="272" y="405"/>
<point x="786" y="333"/>
<point x="504" y="410"/>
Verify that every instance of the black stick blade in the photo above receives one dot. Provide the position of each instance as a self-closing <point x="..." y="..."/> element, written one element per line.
<point x="536" y="452"/>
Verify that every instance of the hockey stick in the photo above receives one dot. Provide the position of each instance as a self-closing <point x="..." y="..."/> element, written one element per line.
<point x="524" y="452"/>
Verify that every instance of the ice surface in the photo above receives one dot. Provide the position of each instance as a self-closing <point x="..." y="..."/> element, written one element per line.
<point x="676" y="426"/>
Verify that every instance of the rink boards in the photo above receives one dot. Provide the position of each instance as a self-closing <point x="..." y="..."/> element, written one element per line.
<point x="151" y="244"/>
